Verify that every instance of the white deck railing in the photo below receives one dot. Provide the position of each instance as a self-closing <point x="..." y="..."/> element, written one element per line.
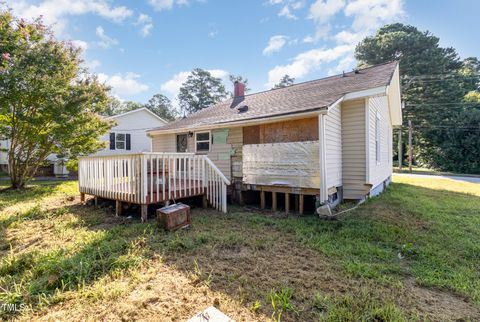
<point x="153" y="178"/>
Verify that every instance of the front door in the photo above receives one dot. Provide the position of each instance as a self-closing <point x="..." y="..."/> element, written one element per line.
<point x="182" y="142"/>
<point x="181" y="147"/>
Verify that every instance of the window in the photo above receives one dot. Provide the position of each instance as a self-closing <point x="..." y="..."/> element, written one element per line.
<point x="120" y="141"/>
<point x="377" y="138"/>
<point x="202" y="141"/>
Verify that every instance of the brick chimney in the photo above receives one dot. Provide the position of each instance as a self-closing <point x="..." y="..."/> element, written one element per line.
<point x="238" y="89"/>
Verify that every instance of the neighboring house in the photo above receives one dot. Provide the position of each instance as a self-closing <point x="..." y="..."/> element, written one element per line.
<point x="4" y="146"/>
<point x="129" y="135"/>
<point x="330" y="138"/>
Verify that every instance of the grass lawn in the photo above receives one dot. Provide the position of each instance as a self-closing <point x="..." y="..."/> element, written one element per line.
<point x="420" y="170"/>
<point x="411" y="254"/>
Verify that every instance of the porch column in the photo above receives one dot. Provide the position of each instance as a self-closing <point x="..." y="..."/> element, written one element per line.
<point x="322" y="157"/>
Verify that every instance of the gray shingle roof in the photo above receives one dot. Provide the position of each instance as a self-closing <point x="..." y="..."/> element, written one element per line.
<point x="302" y="97"/>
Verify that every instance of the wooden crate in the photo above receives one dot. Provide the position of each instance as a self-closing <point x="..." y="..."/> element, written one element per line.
<point x="174" y="216"/>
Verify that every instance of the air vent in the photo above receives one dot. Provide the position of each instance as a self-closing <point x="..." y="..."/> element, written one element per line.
<point x="243" y="109"/>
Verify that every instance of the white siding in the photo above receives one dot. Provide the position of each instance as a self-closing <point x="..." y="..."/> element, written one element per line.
<point x="218" y="152"/>
<point x="353" y="149"/>
<point x="333" y="136"/>
<point x="379" y="170"/>
<point x="164" y="143"/>
<point x="136" y="124"/>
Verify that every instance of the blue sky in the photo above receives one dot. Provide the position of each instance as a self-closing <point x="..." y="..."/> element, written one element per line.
<point x="145" y="47"/>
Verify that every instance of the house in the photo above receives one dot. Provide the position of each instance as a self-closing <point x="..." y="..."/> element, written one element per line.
<point x="4" y="146"/>
<point x="129" y="135"/>
<point x="317" y="142"/>
<point x="330" y="138"/>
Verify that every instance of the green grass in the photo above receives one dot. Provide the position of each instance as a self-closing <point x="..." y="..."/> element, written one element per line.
<point x="420" y="170"/>
<point x="59" y="256"/>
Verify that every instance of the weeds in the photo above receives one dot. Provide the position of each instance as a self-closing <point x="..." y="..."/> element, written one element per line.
<point x="282" y="302"/>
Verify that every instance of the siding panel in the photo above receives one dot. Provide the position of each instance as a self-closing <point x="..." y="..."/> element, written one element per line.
<point x="353" y="149"/>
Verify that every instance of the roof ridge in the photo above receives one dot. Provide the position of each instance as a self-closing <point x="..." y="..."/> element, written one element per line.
<point x="319" y="79"/>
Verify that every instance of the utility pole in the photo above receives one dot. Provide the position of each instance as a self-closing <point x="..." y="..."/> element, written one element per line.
<point x="400" y="152"/>
<point x="410" y="145"/>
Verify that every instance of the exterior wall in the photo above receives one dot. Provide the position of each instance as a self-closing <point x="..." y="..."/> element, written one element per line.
<point x="354" y="149"/>
<point x="220" y="151"/>
<point x="379" y="171"/>
<point x="136" y="124"/>
<point x="394" y="98"/>
<point x="164" y="143"/>
<point x="235" y="139"/>
<point x="4" y="144"/>
<point x="333" y="138"/>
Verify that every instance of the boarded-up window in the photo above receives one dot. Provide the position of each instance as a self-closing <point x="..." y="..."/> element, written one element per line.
<point x="288" y="131"/>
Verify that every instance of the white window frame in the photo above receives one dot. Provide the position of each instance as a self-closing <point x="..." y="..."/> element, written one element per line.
<point x="202" y="141"/>
<point x="378" y="142"/>
<point x="124" y="141"/>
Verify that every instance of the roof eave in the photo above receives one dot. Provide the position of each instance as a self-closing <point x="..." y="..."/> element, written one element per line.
<point x="248" y="122"/>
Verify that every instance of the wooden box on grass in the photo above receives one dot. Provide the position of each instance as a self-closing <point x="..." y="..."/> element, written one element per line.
<point x="174" y="216"/>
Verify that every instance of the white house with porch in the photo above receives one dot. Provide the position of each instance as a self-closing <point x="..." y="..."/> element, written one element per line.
<point x="324" y="140"/>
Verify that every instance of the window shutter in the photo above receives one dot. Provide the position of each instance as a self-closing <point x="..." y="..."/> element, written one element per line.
<point x="112" y="141"/>
<point x="127" y="141"/>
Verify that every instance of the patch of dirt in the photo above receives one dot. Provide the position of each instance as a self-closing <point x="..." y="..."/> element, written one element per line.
<point x="442" y="305"/>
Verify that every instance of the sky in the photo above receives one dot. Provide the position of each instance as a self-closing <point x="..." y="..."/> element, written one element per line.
<point x="144" y="47"/>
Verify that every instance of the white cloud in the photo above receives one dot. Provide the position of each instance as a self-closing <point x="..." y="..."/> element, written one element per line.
<point x="347" y="37"/>
<point x="105" y="40"/>
<point x="160" y="5"/>
<point x="124" y="84"/>
<point x="83" y="45"/>
<point x="323" y="10"/>
<point x="345" y="64"/>
<point x="275" y="43"/>
<point x="54" y="12"/>
<point x="273" y="2"/>
<point x="298" y="5"/>
<point x="368" y="15"/>
<point x="92" y="64"/>
<point x="285" y="12"/>
<point x="146" y="24"/>
<point x="321" y="32"/>
<point x="213" y="34"/>
<point x="173" y="85"/>
<point x="307" y="62"/>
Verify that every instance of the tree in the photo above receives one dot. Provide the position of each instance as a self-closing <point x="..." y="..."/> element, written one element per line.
<point x="434" y="82"/>
<point x="239" y="78"/>
<point x="284" y="82"/>
<point x="114" y="107"/>
<point x="200" y="90"/>
<point x="48" y="104"/>
<point x="162" y="106"/>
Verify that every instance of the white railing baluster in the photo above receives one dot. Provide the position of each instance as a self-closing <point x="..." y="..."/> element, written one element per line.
<point x="126" y="178"/>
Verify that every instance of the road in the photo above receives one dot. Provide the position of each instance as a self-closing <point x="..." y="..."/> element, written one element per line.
<point x="456" y="178"/>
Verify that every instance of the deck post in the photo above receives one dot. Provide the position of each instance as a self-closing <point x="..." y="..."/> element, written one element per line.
<point x="287" y="203"/>
<point x="262" y="199"/>
<point x="274" y="201"/>
<point x="82" y="198"/>
<point x="118" y="208"/>
<point x="301" y="204"/>
<point x="144" y="211"/>
<point x="204" y="200"/>
<point x="95" y="199"/>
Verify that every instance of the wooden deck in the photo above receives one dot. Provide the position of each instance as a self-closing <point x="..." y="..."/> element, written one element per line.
<point x="152" y="178"/>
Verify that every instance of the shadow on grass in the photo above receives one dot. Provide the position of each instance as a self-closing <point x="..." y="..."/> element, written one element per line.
<point x="254" y="258"/>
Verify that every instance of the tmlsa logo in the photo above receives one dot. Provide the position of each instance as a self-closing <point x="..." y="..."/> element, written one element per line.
<point x="12" y="307"/>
